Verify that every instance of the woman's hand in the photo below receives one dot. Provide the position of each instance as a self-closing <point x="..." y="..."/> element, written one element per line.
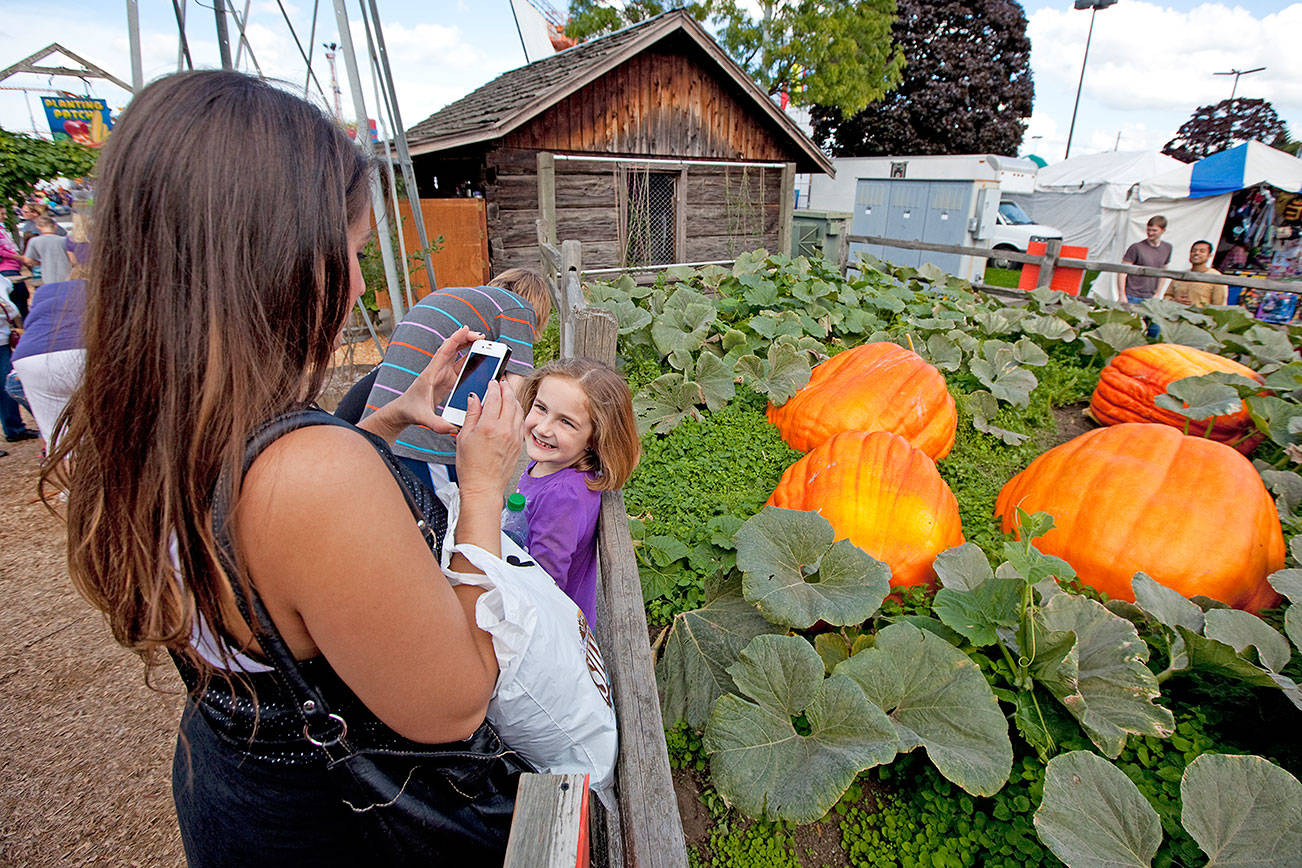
<point x="488" y="449"/>
<point x="419" y="404"/>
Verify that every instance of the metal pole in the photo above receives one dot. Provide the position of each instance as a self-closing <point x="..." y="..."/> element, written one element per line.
<point x="377" y="197"/>
<point x="183" y="47"/>
<point x="223" y="41"/>
<point x="133" y="36"/>
<point x="383" y="109"/>
<point x="239" y="22"/>
<point x="1079" y="84"/>
<point x="404" y="156"/>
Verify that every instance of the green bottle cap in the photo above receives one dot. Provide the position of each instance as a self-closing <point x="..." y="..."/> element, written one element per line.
<point x="515" y="502"/>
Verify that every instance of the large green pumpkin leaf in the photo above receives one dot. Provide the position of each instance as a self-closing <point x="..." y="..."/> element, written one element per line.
<point x="1274" y="416"/>
<point x="1092" y="815"/>
<point x="1242" y="810"/>
<point x="1189" y="335"/>
<point x="716" y="381"/>
<point x="1116" y="690"/>
<point x="682" y="326"/>
<point x="798" y="576"/>
<point x="938" y="699"/>
<point x="1289" y="583"/>
<point x="666" y="401"/>
<point x="1242" y="630"/>
<point x="630" y="317"/>
<point x="702" y="644"/>
<point x="978" y="612"/>
<point x="761" y="764"/>
<point x="1113" y="337"/>
<point x="778" y="376"/>
<point x="1169" y="607"/>
<point x="1221" y="659"/>
<point x="1199" y="398"/>
<point x="963" y="567"/>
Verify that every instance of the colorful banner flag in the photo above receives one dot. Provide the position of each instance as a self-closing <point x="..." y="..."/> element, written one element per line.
<point x="81" y="118"/>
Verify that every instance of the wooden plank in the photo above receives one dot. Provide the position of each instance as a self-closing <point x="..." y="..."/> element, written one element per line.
<point x="518" y="228"/>
<point x="514" y="191"/>
<point x="588" y="224"/>
<point x="1086" y="264"/>
<point x="714" y="220"/>
<point x="707" y="248"/>
<point x="586" y="191"/>
<point x="548" y="825"/>
<point x="652" y="828"/>
<point x="680" y="216"/>
<point x="1049" y="263"/>
<point x="547" y="193"/>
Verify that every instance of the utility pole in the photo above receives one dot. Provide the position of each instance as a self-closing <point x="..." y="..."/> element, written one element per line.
<point x="1093" y="6"/>
<point x="1238" y="73"/>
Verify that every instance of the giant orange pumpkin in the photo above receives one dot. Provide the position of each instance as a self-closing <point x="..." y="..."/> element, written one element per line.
<point x="1131" y="381"/>
<point x="873" y="387"/>
<point x="1192" y="513"/>
<point x="881" y="493"/>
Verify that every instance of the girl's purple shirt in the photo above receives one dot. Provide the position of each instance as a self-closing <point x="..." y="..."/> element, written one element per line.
<point x="562" y="513"/>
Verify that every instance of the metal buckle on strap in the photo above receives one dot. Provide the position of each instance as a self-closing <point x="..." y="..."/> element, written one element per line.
<point x="343" y="731"/>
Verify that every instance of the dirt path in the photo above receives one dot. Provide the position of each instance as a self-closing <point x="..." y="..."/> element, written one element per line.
<point x="85" y="746"/>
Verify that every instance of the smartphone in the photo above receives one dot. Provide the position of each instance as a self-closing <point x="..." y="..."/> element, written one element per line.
<point x="485" y="363"/>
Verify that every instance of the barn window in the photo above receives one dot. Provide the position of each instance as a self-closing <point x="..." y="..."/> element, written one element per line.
<point x="649" y="218"/>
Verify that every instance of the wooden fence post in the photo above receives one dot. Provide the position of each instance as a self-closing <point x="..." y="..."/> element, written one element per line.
<point x="1049" y="263"/>
<point x="788" y="204"/>
<point x="571" y="291"/>
<point x="549" y="828"/>
<point x="648" y="825"/>
<point x="546" y="201"/>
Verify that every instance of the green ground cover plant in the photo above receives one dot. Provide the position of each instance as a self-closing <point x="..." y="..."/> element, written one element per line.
<point x="790" y="675"/>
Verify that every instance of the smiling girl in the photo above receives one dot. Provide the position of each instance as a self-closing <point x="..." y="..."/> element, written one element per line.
<point x="581" y="439"/>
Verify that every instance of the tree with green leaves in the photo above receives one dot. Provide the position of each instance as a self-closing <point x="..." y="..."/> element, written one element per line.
<point x="967" y="87"/>
<point x="826" y="52"/>
<point x="1214" y="128"/>
<point x="27" y="160"/>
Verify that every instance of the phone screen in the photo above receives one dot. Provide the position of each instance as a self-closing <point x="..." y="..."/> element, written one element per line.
<point x="479" y="372"/>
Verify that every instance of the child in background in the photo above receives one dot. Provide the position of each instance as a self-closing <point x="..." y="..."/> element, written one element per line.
<point x="581" y="439"/>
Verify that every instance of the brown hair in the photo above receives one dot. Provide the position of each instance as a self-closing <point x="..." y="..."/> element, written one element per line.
<point x="614" y="450"/>
<point x="1156" y="220"/>
<point x="530" y="286"/>
<point x="234" y="322"/>
<point x="46" y="222"/>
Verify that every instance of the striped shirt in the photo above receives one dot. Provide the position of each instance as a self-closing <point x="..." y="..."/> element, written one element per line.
<point x="499" y="314"/>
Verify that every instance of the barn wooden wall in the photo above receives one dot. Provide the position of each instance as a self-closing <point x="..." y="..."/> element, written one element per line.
<point x="729" y="209"/>
<point x="658" y="103"/>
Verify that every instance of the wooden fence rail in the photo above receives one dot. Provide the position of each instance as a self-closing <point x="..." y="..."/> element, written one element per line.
<point x="1051" y="260"/>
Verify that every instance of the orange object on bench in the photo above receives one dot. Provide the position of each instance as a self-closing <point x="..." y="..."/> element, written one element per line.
<point x="1066" y="280"/>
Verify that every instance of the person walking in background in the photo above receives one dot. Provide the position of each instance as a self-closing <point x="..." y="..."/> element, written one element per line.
<point x="11" y="417"/>
<point x="78" y="245"/>
<point x="1198" y="293"/>
<point x="48" y="251"/>
<point x="1152" y="252"/>
<point x="49" y="359"/>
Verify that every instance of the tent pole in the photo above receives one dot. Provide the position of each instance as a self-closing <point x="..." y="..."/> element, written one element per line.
<point x="404" y="155"/>
<point x="377" y="197"/>
<point x="133" y="36"/>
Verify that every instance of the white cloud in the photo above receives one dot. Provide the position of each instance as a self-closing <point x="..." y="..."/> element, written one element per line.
<point x="1146" y="56"/>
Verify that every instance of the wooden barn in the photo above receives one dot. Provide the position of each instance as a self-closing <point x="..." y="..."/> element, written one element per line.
<point x="650" y="145"/>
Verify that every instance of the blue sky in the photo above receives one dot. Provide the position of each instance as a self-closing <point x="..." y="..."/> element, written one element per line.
<point x="1150" y="63"/>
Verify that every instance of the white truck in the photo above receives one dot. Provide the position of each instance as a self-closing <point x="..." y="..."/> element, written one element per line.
<point x="939" y="199"/>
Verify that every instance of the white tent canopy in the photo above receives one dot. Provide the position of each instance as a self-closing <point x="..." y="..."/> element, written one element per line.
<point x="1237" y="168"/>
<point x="1103" y="201"/>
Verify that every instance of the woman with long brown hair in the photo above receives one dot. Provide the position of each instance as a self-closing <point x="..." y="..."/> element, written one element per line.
<point x="273" y="555"/>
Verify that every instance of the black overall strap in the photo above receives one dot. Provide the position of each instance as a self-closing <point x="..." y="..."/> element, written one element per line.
<point x="321" y="726"/>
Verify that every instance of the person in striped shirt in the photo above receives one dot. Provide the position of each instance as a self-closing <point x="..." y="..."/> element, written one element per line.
<point x="513" y="308"/>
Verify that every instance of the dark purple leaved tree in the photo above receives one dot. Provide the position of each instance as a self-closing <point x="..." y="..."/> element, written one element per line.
<point x="967" y="85"/>
<point x="1214" y="128"/>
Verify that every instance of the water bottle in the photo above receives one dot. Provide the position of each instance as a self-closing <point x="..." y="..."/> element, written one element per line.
<point x="515" y="523"/>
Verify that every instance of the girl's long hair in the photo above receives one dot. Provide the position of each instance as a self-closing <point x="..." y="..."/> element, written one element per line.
<point x="219" y="289"/>
<point x="614" y="450"/>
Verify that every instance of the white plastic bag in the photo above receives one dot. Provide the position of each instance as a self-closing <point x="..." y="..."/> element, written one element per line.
<point x="552" y="701"/>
